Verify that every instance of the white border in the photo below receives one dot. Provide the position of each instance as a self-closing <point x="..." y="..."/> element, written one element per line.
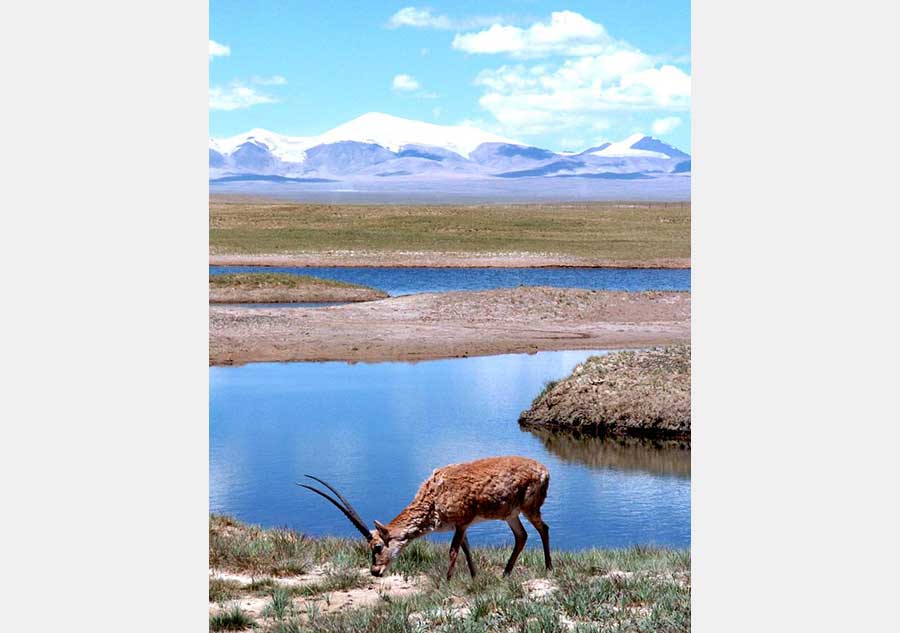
<point x="104" y="452"/>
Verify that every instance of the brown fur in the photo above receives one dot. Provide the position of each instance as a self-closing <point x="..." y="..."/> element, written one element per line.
<point x="458" y="495"/>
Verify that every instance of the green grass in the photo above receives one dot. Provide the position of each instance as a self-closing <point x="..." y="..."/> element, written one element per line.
<point x="633" y="589"/>
<point x="274" y="280"/>
<point x="233" y="619"/>
<point x="626" y="231"/>
<point x="280" y="605"/>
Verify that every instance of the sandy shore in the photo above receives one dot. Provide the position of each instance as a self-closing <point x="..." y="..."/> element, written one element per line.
<point x="438" y="260"/>
<point x="452" y="324"/>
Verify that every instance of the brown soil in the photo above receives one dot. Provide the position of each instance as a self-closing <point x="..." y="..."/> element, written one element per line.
<point x="439" y="260"/>
<point x="452" y="324"/>
<point x="645" y="393"/>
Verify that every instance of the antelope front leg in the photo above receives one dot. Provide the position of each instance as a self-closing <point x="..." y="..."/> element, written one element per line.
<point x="458" y="537"/>
<point x="469" y="561"/>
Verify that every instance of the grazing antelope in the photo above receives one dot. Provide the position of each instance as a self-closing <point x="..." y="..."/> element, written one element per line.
<point x="455" y="497"/>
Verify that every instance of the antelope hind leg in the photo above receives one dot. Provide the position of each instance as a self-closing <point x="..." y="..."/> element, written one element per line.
<point x="544" y="530"/>
<point x="521" y="536"/>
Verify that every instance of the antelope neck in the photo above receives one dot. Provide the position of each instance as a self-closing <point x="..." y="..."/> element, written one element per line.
<point x="415" y="520"/>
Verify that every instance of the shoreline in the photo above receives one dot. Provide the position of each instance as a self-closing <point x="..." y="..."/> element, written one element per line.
<point x="436" y="260"/>
<point x="457" y="324"/>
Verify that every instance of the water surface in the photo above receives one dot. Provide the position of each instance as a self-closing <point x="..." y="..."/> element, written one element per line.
<point x="400" y="281"/>
<point x="376" y="431"/>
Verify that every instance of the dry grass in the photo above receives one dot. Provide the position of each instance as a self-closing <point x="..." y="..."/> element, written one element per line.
<point x="274" y="280"/>
<point x="284" y="288"/>
<point x="626" y="232"/>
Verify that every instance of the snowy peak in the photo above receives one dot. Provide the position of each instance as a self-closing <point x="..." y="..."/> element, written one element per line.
<point x="639" y="145"/>
<point x="394" y="133"/>
<point x="375" y="128"/>
<point x="287" y="148"/>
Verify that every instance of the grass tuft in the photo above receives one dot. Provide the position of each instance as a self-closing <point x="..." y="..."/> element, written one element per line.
<point x="231" y="620"/>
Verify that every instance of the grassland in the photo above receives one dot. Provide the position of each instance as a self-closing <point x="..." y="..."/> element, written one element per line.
<point x="566" y="234"/>
<point x="281" y="581"/>
<point x="282" y="287"/>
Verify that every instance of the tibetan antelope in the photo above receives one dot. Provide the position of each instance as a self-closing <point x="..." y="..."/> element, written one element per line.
<point x="455" y="497"/>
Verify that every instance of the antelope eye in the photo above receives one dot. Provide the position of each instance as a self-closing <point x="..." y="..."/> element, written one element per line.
<point x="377" y="549"/>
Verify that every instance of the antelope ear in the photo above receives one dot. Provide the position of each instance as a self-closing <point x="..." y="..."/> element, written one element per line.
<point x="385" y="533"/>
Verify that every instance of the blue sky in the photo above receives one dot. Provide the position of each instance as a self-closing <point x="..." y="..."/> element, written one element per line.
<point x="563" y="76"/>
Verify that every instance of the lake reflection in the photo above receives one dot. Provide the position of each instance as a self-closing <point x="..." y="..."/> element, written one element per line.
<point x="652" y="456"/>
<point x="376" y="431"/>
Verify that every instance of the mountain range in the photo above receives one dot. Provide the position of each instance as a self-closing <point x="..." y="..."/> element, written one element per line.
<point x="379" y="148"/>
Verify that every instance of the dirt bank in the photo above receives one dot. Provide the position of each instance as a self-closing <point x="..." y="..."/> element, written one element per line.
<point x="440" y="260"/>
<point x="285" y="288"/>
<point x="646" y="394"/>
<point x="452" y="324"/>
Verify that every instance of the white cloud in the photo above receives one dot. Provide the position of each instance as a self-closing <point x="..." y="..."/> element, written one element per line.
<point x="274" y="80"/>
<point x="421" y="18"/>
<point x="405" y="83"/>
<point x="567" y="33"/>
<point x="426" y="19"/>
<point x="436" y="112"/>
<point x="235" y="97"/>
<point x="536" y="99"/>
<point x="218" y="50"/>
<point x="600" y="75"/>
<point x="665" y="125"/>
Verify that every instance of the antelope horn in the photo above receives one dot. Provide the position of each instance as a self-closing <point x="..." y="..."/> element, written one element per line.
<point x="343" y="499"/>
<point x="350" y="513"/>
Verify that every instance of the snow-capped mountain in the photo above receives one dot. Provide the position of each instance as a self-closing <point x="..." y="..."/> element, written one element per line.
<point x="378" y="146"/>
<point x="638" y="145"/>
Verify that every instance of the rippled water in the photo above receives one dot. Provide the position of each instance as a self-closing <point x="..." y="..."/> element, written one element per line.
<point x="400" y="281"/>
<point x="376" y="431"/>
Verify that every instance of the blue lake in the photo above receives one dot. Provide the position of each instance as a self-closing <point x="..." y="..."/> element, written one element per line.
<point x="401" y="281"/>
<point x="376" y="431"/>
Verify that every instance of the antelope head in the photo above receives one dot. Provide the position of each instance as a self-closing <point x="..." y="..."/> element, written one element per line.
<point x="384" y="545"/>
